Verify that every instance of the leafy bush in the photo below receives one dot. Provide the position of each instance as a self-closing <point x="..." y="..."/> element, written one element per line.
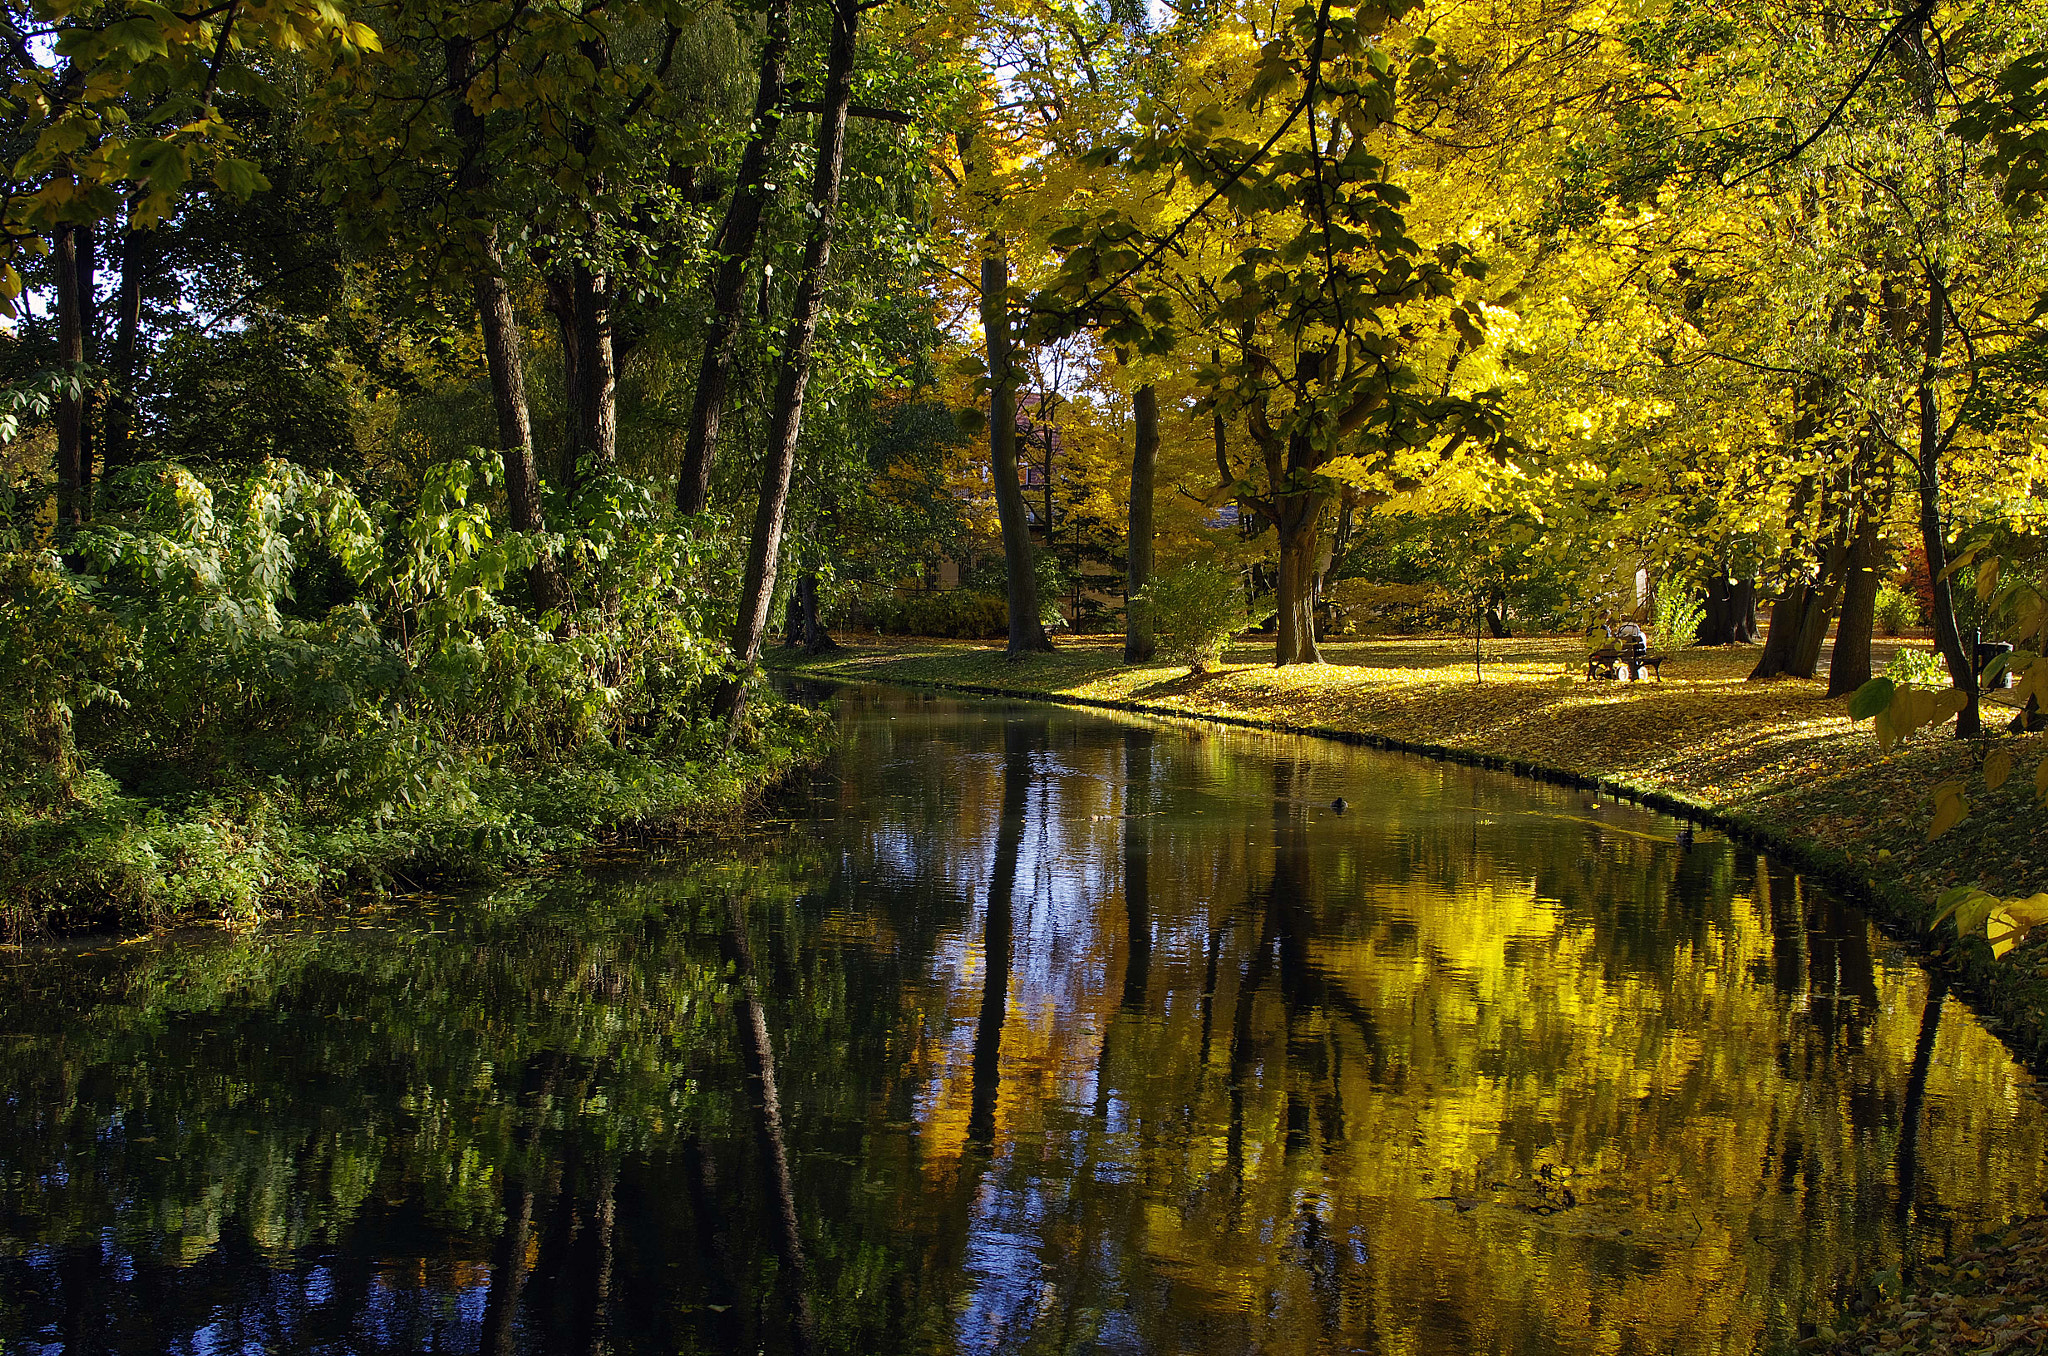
<point x="1896" y="609"/>
<point x="236" y="692"/>
<point x="1196" y="608"/>
<point x="962" y="614"/>
<point x="1679" y="614"/>
<point x="1917" y="668"/>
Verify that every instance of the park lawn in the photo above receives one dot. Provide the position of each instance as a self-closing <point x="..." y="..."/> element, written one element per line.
<point x="1776" y="758"/>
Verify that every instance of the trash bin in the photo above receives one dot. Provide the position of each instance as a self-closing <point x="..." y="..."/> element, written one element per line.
<point x="1989" y="650"/>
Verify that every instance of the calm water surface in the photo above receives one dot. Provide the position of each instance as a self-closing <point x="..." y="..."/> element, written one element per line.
<point x="1086" y="1035"/>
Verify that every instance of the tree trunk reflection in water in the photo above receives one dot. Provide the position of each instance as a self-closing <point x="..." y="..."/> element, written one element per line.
<point x="1916" y="1093"/>
<point x="758" y="1053"/>
<point x="996" y="933"/>
<point x="509" y="1260"/>
<point x="1137" y="845"/>
<point x="714" y="1244"/>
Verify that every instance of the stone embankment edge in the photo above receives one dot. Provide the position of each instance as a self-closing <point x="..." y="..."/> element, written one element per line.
<point x="2010" y="999"/>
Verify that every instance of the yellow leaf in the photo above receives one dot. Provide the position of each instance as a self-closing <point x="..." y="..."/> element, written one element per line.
<point x="1947" y="705"/>
<point x="1996" y="769"/>
<point x="1949" y="809"/>
<point x="2041" y="780"/>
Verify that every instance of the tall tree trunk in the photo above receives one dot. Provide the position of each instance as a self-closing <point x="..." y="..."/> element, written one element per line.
<point x="1139" y="643"/>
<point x="1027" y="633"/>
<point x="504" y="356"/>
<point x="757" y="591"/>
<point x="1948" y="637"/>
<point x="137" y="254"/>
<point x="1850" y="667"/>
<point x="1820" y="607"/>
<point x="596" y="417"/>
<point x="735" y="246"/>
<point x="1297" y="518"/>
<point x="88" y="327"/>
<point x="72" y="471"/>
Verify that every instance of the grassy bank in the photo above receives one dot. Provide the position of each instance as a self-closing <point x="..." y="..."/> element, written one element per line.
<point x="1776" y="762"/>
<point x="132" y="856"/>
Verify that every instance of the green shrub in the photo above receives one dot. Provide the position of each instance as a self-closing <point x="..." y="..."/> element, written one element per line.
<point x="238" y="692"/>
<point x="1897" y="610"/>
<point x="1679" y="613"/>
<point x="1918" y="668"/>
<point x="1196" y="608"/>
<point x="961" y="614"/>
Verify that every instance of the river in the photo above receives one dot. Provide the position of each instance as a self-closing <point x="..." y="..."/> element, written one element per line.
<point x="1018" y="1029"/>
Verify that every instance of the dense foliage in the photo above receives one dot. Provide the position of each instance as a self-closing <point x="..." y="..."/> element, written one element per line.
<point x="402" y="397"/>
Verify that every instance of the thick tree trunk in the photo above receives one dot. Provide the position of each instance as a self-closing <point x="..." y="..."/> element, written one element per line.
<point x="1948" y="638"/>
<point x="137" y="253"/>
<point x="1820" y="607"/>
<point x="1139" y="642"/>
<point x="1730" y="616"/>
<point x="757" y="591"/>
<point x="596" y="416"/>
<point x="1296" y="641"/>
<point x="1027" y="633"/>
<point x="735" y="246"/>
<point x="72" y="471"/>
<point x="1850" y="667"/>
<point x="1781" y="642"/>
<point x="815" y="639"/>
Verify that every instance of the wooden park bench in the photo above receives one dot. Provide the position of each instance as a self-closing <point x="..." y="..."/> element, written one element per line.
<point x="1609" y="661"/>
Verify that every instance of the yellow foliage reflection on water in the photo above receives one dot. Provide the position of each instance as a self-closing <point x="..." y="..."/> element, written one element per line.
<point x="1444" y="1072"/>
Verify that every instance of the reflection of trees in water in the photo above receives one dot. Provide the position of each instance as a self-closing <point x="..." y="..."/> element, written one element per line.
<point x="1276" y="1037"/>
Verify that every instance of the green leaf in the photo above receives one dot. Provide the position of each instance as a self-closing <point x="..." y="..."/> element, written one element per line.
<point x="1873" y="697"/>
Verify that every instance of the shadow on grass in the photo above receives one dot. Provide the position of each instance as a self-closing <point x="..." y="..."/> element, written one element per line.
<point x="1186" y="685"/>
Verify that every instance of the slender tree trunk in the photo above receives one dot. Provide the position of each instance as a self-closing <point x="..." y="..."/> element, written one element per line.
<point x="504" y="356"/>
<point x="72" y="472"/>
<point x="1850" y="667"/>
<point x="1948" y="638"/>
<point x="137" y="253"/>
<point x="1027" y="633"/>
<point x="735" y="246"/>
<point x="757" y="592"/>
<point x="88" y="327"/>
<point x="1139" y="643"/>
